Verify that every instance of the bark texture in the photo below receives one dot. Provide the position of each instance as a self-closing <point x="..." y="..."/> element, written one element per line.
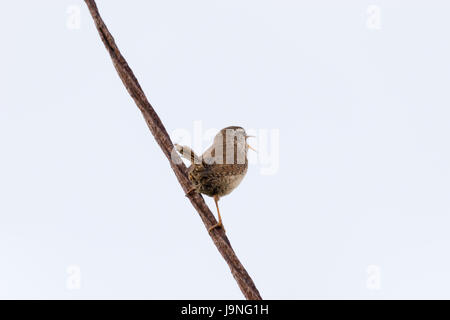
<point x="161" y="136"/>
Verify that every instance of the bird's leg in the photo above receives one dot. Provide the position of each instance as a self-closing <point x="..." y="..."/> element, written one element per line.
<point x="219" y="224"/>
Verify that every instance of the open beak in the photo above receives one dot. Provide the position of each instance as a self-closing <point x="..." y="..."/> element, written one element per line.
<point x="249" y="146"/>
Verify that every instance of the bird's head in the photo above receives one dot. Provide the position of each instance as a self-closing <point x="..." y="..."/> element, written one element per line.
<point x="233" y="139"/>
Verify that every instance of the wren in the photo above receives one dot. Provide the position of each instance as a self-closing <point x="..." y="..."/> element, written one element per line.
<point x="221" y="167"/>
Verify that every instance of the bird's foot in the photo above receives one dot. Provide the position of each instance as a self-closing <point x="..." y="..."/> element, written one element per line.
<point x="217" y="225"/>
<point x="191" y="191"/>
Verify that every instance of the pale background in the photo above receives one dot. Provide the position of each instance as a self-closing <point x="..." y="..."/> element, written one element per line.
<point x="359" y="207"/>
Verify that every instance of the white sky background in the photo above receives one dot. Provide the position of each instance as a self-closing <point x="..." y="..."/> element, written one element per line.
<point x="363" y="180"/>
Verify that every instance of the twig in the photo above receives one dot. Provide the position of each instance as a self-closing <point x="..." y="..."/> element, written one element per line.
<point x="156" y="127"/>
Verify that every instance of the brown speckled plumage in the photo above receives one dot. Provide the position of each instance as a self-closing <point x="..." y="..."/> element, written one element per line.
<point x="222" y="166"/>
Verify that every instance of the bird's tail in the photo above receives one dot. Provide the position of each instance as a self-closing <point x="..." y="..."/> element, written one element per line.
<point x="187" y="153"/>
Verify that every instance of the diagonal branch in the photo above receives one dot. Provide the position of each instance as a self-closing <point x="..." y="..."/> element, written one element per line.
<point x="156" y="127"/>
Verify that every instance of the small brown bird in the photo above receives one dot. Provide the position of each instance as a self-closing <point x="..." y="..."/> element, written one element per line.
<point x="221" y="167"/>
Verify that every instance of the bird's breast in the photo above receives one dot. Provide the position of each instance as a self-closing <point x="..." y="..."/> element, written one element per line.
<point x="216" y="180"/>
<point x="231" y="183"/>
